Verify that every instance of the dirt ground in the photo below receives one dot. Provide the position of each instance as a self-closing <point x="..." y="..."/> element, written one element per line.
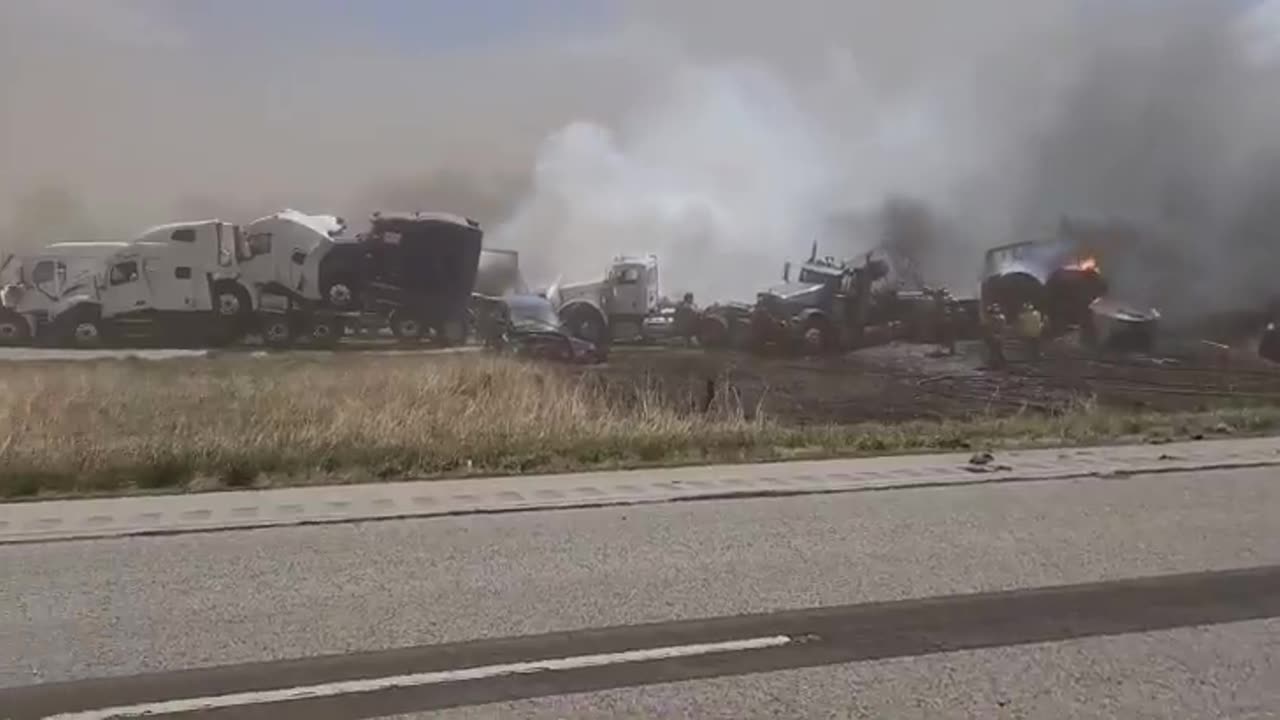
<point x="904" y="381"/>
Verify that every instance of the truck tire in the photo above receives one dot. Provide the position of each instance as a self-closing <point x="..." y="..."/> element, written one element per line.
<point x="233" y="312"/>
<point x="586" y="323"/>
<point x="231" y="301"/>
<point x="325" y="332"/>
<point x="277" y="330"/>
<point x="405" y="326"/>
<point x="81" y="330"/>
<point x="817" y="337"/>
<point x="14" y="330"/>
<point x="341" y="294"/>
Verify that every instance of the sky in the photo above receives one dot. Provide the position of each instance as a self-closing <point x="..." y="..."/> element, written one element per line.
<point x="719" y="133"/>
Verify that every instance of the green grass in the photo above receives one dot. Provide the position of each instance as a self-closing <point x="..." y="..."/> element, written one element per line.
<point x="133" y="426"/>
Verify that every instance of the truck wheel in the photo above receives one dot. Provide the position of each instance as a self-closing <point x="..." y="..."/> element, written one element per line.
<point x="14" y="330"/>
<point x="83" y="333"/>
<point x="587" y="324"/>
<point x="231" y="301"/>
<point x="816" y="337"/>
<point x="341" y="294"/>
<point x="405" y="327"/>
<point x="325" y="332"/>
<point x="277" y="331"/>
<point x="233" y="312"/>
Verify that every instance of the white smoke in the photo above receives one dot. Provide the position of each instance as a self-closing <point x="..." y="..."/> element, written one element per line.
<point x="721" y="175"/>
<point x="725" y="135"/>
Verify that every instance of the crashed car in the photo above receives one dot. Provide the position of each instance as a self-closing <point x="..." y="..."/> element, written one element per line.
<point x="528" y="326"/>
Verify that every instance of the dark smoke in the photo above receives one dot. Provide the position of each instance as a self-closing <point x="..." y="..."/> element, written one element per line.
<point x="1165" y="127"/>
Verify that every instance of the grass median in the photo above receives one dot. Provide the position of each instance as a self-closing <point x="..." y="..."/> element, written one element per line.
<point x="112" y="426"/>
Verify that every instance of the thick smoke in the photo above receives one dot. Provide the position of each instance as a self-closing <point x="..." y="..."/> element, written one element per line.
<point x="726" y="136"/>
<point x="1159" y="114"/>
<point x="716" y="176"/>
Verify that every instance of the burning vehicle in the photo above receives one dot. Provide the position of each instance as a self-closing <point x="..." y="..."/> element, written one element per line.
<point x="529" y="326"/>
<point x="1061" y="279"/>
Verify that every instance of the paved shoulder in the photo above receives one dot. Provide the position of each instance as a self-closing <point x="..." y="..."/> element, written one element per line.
<point x="70" y="519"/>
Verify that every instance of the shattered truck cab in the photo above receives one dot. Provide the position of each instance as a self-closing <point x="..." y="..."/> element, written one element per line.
<point x="280" y="254"/>
<point x="308" y="278"/>
<point x="416" y="270"/>
<point x="39" y="288"/>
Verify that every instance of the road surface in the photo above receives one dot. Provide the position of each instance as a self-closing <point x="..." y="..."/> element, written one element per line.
<point x="1144" y="595"/>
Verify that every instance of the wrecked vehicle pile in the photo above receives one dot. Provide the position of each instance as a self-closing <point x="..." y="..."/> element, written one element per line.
<point x="528" y="326"/>
<point x="426" y="276"/>
<point x="1061" y="279"/>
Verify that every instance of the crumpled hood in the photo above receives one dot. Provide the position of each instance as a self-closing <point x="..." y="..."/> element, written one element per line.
<point x="551" y="345"/>
<point x="791" y="290"/>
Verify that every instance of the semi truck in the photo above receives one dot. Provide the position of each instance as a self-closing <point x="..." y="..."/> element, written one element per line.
<point x="38" y="288"/>
<point x="411" y="272"/>
<point x="834" y="306"/>
<point x="212" y="282"/>
<point x="141" y="292"/>
<point x="627" y="304"/>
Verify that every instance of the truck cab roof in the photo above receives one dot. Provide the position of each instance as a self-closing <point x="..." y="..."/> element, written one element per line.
<point x="328" y="225"/>
<point x="637" y="260"/>
<point x="93" y="249"/>
<point x="169" y="231"/>
<point x="410" y="218"/>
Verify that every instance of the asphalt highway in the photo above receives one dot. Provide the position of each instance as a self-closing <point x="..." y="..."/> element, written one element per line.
<point x="1153" y="595"/>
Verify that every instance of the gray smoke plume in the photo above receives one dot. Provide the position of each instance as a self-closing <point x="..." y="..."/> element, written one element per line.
<point x="725" y="135"/>
<point x="952" y="130"/>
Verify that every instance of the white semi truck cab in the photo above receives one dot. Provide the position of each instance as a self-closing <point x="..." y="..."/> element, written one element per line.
<point x="615" y="307"/>
<point x="147" y="289"/>
<point x="40" y="287"/>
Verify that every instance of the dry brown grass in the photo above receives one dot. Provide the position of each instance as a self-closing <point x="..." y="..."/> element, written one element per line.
<point x="113" y="426"/>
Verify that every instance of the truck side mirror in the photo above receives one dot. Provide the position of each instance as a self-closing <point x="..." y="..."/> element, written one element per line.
<point x="786" y="271"/>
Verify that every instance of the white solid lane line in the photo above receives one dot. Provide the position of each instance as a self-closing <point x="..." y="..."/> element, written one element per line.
<point x="351" y="687"/>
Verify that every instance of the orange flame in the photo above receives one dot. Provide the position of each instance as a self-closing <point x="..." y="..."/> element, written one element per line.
<point x="1085" y="265"/>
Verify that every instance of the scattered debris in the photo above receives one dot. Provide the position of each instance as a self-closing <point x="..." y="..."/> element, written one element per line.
<point x="981" y="458"/>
